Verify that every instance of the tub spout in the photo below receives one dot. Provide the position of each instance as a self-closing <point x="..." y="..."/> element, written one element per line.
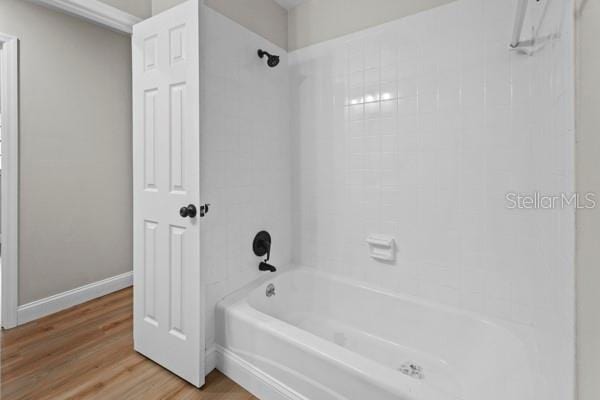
<point x="264" y="266"/>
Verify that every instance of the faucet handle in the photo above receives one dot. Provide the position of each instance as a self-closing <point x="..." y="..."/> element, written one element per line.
<point x="262" y="244"/>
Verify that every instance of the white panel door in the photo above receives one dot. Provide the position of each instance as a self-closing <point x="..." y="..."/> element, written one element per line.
<point x="168" y="325"/>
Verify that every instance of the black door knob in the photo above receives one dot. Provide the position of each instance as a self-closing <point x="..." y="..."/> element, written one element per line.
<point x="188" y="211"/>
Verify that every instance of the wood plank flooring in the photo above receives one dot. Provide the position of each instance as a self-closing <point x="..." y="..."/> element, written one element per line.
<point x="86" y="352"/>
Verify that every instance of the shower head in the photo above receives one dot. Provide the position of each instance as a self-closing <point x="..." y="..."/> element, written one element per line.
<point x="272" y="60"/>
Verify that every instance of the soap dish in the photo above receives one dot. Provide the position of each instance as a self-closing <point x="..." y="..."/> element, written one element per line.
<point x="382" y="247"/>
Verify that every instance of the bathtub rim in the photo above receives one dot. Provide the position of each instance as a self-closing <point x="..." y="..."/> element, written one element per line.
<point x="510" y="328"/>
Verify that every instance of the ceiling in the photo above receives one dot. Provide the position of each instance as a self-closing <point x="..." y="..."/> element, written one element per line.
<point x="289" y="4"/>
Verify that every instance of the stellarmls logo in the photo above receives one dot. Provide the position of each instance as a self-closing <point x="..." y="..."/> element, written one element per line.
<point x="539" y="201"/>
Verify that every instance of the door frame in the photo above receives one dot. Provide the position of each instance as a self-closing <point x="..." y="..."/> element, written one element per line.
<point x="9" y="207"/>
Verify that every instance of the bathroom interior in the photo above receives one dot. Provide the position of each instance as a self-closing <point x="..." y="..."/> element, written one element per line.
<point x="400" y="210"/>
<point x="379" y="163"/>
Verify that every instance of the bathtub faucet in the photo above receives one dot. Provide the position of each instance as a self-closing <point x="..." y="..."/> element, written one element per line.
<point x="265" y="266"/>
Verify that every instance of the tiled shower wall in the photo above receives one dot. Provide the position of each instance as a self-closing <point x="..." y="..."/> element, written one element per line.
<point x="245" y="150"/>
<point x="418" y="129"/>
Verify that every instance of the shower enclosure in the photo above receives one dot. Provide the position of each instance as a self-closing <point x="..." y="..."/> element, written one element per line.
<point x="383" y="164"/>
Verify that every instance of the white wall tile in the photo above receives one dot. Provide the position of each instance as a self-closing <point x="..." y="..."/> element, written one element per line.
<point x="246" y="157"/>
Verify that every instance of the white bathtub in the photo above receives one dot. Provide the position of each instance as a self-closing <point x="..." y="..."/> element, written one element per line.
<point x="322" y="337"/>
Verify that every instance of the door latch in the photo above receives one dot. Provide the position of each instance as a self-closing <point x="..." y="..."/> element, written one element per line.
<point x="204" y="210"/>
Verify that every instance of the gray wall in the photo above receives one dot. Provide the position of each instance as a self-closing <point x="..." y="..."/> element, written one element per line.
<point x="588" y="179"/>
<point x="264" y="17"/>
<point x="319" y="20"/>
<point x="139" y="8"/>
<point x="75" y="150"/>
<point x="313" y="21"/>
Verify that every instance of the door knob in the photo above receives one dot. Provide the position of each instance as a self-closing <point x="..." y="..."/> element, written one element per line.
<point x="188" y="211"/>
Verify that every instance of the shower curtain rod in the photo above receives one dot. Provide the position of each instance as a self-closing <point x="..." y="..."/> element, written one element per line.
<point x="519" y="21"/>
<point x="536" y="39"/>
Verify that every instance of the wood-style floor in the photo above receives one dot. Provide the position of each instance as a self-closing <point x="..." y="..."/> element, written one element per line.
<point x="86" y="352"/>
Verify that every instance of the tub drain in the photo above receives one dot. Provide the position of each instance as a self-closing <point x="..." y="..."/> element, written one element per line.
<point x="413" y="370"/>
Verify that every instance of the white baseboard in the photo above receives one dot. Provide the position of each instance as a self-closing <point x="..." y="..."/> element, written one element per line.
<point x="261" y="385"/>
<point x="40" y="308"/>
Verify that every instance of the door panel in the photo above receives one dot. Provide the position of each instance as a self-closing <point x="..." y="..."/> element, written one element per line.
<point x="168" y="326"/>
